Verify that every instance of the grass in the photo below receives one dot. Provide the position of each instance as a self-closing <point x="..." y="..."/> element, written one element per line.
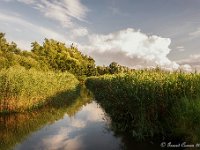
<point x="186" y="116"/>
<point x="149" y="103"/>
<point x="17" y="127"/>
<point x="22" y="89"/>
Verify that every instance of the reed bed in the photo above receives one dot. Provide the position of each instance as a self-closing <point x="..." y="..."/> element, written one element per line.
<point x="151" y="103"/>
<point x="16" y="127"/>
<point x="22" y="89"/>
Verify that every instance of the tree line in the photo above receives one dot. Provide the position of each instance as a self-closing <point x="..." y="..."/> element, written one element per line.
<point x="54" y="55"/>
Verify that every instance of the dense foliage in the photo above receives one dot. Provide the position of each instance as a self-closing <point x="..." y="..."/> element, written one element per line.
<point x="113" y="68"/>
<point x="16" y="127"/>
<point x="10" y="56"/>
<point x="52" y="55"/>
<point x="145" y="103"/>
<point x="23" y="89"/>
<point x="58" y="57"/>
<point x="27" y="78"/>
<point x="150" y="103"/>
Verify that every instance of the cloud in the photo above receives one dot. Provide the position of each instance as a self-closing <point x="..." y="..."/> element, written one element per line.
<point x="131" y="48"/>
<point x="43" y="32"/>
<point x="79" y="32"/>
<point x="62" y="140"/>
<point x="73" y="133"/>
<point x="116" y="11"/>
<point x="23" y="44"/>
<point x="75" y="123"/>
<point x="26" y="1"/>
<point x="195" y="34"/>
<point x="193" y="60"/>
<point x="91" y="113"/>
<point x="180" y="48"/>
<point x="63" y="11"/>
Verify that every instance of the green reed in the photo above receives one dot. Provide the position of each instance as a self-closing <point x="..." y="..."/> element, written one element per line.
<point x="144" y="103"/>
<point x="22" y="89"/>
<point x="18" y="126"/>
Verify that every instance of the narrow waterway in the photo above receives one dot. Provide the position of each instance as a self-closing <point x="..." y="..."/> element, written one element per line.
<point x="85" y="130"/>
<point x="81" y="126"/>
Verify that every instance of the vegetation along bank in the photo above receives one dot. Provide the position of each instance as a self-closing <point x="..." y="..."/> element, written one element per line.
<point x="29" y="78"/>
<point x="151" y="103"/>
<point x="143" y="103"/>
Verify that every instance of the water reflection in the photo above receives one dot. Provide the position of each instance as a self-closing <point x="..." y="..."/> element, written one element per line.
<point x="85" y="130"/>
<point x="16" y="127"/>
<point x="79" y="124"/>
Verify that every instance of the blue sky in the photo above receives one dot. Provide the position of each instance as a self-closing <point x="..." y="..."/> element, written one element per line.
<point x="136" y="33"/>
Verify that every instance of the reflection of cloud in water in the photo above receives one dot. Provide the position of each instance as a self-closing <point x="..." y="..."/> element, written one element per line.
<point x="62" y="141"/>
<point x="90" y="113"/>
<point x="83" y="131"/>
<point x="77" y="123"/>
<point x="70" y="137"/>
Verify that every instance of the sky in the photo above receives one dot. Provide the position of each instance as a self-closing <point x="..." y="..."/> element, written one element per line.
<point x="135" y="33"/>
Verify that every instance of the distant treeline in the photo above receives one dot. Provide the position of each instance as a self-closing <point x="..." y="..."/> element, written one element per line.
<point x="54" y="56"/>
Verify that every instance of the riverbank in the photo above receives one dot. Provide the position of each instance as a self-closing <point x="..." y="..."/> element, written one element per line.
<point x="16" y="127"/>
<point x="148" y="104"/>
<point x="22" y="89"/>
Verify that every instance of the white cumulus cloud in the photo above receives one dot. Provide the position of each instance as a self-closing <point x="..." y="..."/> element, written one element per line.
<point x="131" y="48"/>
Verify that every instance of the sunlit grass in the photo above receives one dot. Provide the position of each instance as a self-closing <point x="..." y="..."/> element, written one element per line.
<point x="16" y="127"/>
<point x="22" y="89"/>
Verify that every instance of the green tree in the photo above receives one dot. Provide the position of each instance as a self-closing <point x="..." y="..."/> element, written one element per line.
<point x="114" y="68"/>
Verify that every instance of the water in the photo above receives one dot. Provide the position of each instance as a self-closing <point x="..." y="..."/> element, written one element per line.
<point x="81" y="126"/>
<point x="85" y="130"/>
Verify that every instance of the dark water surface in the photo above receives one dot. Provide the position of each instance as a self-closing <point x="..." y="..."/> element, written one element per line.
<point x="82" y="126"/>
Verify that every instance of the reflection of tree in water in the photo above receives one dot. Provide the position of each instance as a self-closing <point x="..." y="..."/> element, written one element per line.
<point x="15" y="127"/>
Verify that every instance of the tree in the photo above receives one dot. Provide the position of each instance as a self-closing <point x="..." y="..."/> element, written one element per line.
<point x="60" y="57"/>
<point x="114" y="68"/>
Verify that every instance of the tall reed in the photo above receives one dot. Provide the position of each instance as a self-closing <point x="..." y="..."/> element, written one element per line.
<point x="143" y="103"/>
<point x="22" y="89"/>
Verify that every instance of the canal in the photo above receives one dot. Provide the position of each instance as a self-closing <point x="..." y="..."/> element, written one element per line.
<point x="82" y="125"/>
